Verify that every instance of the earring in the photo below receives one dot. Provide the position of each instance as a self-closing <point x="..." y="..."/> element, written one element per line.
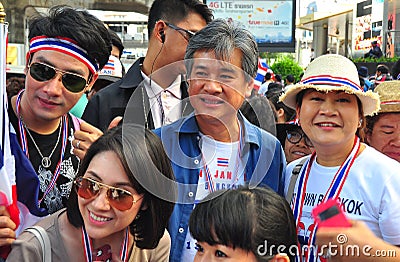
<point x="360" y="123"/>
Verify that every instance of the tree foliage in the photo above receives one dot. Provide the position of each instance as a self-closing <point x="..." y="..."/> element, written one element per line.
<point x="375" y="60"/>
<point x="285" y="65"/>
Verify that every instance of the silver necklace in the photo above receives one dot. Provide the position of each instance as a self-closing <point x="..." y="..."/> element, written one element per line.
<point x="46" y="160"/>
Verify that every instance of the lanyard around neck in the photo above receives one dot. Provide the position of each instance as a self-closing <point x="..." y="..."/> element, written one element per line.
<point x="334" y="190"/>
<point x="87" y="246"/>
<point x="24" y="144"/>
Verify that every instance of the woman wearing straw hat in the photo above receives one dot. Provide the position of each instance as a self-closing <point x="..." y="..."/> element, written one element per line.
<point x="383" y="129"/>
<point x="331" y="106"/>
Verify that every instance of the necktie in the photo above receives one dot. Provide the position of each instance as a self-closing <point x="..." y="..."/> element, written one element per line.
<point x="161" y="108"/>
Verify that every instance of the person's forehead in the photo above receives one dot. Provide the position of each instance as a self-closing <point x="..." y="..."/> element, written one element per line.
<point x="389" y="118"/>
<point x="193" y="22"/>
<point x="331" y="92"/>
<point x="115" y="51"/>
<point x="208" y="59"/>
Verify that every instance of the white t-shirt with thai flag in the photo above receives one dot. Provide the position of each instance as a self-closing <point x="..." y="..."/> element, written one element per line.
<point x="226" y="172"/>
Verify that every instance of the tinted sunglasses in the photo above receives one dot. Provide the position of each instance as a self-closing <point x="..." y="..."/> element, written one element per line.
<point x="118" y="198"/>
<point x="72" y="82"/>
<point x="294" y="137"/>
<point x="187" y="33"/>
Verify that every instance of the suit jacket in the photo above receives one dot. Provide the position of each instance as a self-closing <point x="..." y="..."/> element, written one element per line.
<point x="127" y="93"/>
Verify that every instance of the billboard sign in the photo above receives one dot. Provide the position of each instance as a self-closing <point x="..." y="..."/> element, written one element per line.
<point x="368" y="24"/>
<point x="271" y="22"/>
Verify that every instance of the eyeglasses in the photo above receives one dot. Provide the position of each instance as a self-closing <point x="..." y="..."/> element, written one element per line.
<point x="295" y="136"/>
<point x="72" y="82"/>
<point x="187" y="34"/>
<point x="118" y="198"/>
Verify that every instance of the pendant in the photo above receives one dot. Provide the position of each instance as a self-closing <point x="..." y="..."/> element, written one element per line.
<point x="46" y="162"/>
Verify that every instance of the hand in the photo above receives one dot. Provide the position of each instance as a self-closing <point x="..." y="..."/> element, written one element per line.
<point x="115" y="122"/>
<point x="7" y="227"/>
<point x="84" y="138"/>
<point x="359" y="236"/>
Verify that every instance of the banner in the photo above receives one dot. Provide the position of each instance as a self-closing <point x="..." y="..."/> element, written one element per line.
<point x="271" y="22"/>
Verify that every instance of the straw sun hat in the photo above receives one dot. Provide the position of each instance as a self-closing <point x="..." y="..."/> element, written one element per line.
<point x="389" y="93"/>
<point x="331" y="73"/>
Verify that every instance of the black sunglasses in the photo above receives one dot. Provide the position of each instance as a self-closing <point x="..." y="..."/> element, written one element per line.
<point x="119" y="198"/>
<point x="72" y="82"/>
<point x="294" y="137"/>
<point x="188" y="34"/>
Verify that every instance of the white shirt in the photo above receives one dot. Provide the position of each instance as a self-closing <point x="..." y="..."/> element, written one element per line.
<point x="264" y="87"/>
<point x="170" y="100"/>
<point x="227" y="173"/>
<point x="370" y="194"/>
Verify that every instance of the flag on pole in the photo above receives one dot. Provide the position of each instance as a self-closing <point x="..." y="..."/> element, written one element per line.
<point x="8" y="193"/>
<point x="8" y="190"/>
<point x="15" y="167"/>
<point x="263" y="68"/>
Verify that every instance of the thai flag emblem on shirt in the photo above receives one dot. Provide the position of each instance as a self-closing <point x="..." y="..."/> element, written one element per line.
<point x="109" y="65"/>
<point x="221" y="161"/>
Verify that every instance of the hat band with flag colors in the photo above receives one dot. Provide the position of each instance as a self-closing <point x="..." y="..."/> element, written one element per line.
<point x="332" y="73"/>
<point x="389" y="94"/>
<point x="63" y="45"/>
<point x="112" y="71"/>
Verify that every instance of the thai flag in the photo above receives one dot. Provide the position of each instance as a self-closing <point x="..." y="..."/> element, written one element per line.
<point x="109" y="65"/>
<point x="261" y="71"/>
<point x="223" y="162"/>
<point x="15" y="167"/>
<point x="8" y="192"/>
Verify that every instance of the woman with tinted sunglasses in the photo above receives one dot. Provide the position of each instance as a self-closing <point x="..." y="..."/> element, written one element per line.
<point x="110" y="215"/>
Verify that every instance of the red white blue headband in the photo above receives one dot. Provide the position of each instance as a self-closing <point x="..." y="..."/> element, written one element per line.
<point x="63" y="45"/>
<point x="329" y="80"/>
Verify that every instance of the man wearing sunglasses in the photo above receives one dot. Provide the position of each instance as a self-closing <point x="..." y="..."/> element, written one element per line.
<point x="62" y="62"/>
<point x="171" y="24"/>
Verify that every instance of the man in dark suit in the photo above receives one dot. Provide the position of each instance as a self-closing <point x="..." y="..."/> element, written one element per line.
<point x="171" y="23"/>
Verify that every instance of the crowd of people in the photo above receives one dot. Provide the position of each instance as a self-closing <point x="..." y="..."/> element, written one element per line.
<point x="181" y="159"/>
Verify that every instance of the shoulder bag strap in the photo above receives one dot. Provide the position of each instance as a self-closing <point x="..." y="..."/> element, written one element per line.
<point x="293" y="179"/>
<point x="44" y="241"/>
